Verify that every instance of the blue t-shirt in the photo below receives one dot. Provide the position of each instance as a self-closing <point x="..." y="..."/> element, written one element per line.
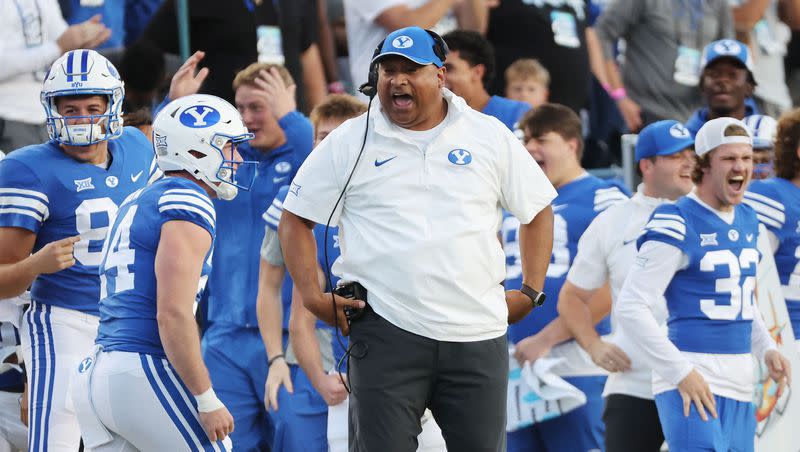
<point x="507" y="111"/>
<point x="240" y="228"/>
<point x="576" y="205"/>
<point x="710" y="302"/>
<point x="45" y="191"/>
<point x="700" y="116"/>
<point x="128" y="306"/>
<point x="777" y="204"/>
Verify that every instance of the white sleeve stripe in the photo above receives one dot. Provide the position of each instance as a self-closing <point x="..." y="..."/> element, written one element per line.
<point x="36" y="216"/>
<point x="764" y="199"/>
<point x="271" y="220"/>
<point x="764" y="210"/>
<point x="22" y="191"/>
<point x="188" y="208"/>
<point x="604" y="195"/>
<point x="154" y="176"/>
<point x="275" y="211"/>
<point x="277" y="203"/>
<point x="19" y="201"/>
<point x="190" y="199"/>
<point x="769" y="221"/>
<point x="666" y="216"/>
<point x="196" y="206"/>
<point x="676" y="226"/>
<point x="608" y="190"/>
<point x="668" y="232"/>
<point x="606" y="204"/>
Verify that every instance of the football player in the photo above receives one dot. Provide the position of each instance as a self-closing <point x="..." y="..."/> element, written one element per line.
<point x="553" y="138"/>
<point x="763" y="129"/>
<point x="700" y="254"/>
<point x="145" y="386"/>
<point x="56" y="202"/>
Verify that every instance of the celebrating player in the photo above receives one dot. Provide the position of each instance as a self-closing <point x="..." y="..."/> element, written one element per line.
<point x="156" y="254"/>
<point x="56" y="201"/>
<point x="701" y="254"/>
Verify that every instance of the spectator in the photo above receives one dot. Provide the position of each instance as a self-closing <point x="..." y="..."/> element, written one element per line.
<point x="764" y="129"/>
<point x="528" y="81"/>
<point x="663" y="41"/>
<point x="726" y="83"/>
<point x="369" y="21"/>
<point x="33" y="34"/>
<point x="764" y="25"/>
<point x="470" y="71"/>
<point x="143" y="68"/>
<point x="111" y="12"/>
<point x="553" y="32"/>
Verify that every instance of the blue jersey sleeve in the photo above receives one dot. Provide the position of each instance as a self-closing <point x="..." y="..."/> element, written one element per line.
<point x="666" y="225"/>
<point x="186" y="203"/>
<point x="23" y="200"/>
<point x="764" y="198"/>
<point x="273" y="214"/>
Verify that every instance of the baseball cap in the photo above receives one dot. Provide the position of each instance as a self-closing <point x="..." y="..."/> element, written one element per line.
<point x="728" y="48"/>
<point x="414" y="43"/>
<point x="663" y="138"/>
<point x="764" y="129"/>
<point x="712" y="135"/>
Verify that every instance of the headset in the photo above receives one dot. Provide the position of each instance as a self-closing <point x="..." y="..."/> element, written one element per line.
<point x="369" y="89"/>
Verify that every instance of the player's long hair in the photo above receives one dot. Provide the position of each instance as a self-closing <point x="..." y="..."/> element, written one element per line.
<point x="787" y="140"/>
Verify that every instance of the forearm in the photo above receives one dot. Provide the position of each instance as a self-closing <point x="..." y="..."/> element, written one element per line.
<point x="536" y="246"/>
<point x="472" y="15"/>
<point x="749" y="13"/>
<point x="27" y="60"/>
<point x="326" y="48"/>
<point x="789" y="11"/>
<point x="300" y="252"/>
<point x="181" y="342"/>
<point x="573" y="309"/>
<point x="761" y="341"/>
<point x="597" y="60"/>
<point x="313" y="77"/>
<point x="425" y="16"/>
<point x="17" y="277"/>
<point x="305" y="345"/>
<point x="269" y="308"/>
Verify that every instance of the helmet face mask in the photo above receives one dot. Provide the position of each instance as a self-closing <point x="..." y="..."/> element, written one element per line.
<point x="83" y="73"/>
<point x="191" y="134"/>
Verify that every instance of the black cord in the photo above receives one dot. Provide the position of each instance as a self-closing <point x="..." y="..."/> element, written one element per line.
<point x="328" y="277"/>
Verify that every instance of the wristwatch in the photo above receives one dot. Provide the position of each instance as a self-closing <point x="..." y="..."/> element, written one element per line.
<point x="537" y="298"/>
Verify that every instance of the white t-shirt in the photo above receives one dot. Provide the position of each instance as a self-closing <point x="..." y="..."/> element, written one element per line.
<point x="28" y="33"/>
<point x="727" y="375"/>
<point x="605" y="253"/>
<point x="418" y="227"/>
<point x="364" y="34"/>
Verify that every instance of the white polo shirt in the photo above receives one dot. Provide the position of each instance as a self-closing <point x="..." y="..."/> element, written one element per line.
<point x="605" y="253"/>
<point x="418" y="225"/>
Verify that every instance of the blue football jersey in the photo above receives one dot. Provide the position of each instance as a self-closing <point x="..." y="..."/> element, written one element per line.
<point x="710" y="302"/>
<point x="508" y="111"/>
<point x="127" y="271"/>
<point x="777" y="204"/>
<point x="576" y="205"/>
<point x="44" y="190"/>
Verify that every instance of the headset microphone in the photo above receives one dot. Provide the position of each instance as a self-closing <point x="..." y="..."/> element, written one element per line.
<point x="368" y="90"/>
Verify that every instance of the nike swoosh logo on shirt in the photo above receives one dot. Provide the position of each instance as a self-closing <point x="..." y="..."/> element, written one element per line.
<point x="381" y="162"/>
<point x="136" y="177"/>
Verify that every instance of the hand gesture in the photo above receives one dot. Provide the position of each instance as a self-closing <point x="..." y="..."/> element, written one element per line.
<point x="218" y="423"/>
<point x="187" y="80"/>
<point x="322" y="307"/>
<point x="331" y="388"/>
<point x="279" y="374"/>
<point x="55" y="256"/>
<point x="694" y="389"/>
<point x="279" y="97"/>
<point x="779" y="369"/>
<point x="609" y="356"/>
<point x="85" y="35"/>
<point x="531" y="348"/>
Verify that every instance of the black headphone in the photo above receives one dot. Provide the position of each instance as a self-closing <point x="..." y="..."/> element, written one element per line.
<point x="370" y="88"/>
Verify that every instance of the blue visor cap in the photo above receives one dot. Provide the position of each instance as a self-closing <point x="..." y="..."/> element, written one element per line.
<point x="663" y="138"/>
<point x="413" y="43"/>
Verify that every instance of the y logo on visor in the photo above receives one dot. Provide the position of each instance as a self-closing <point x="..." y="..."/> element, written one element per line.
<point x="460" y="157"/>
<point x="727" y="47"/>
<point x="402" y="42"/>
<point x="200" y="116"/>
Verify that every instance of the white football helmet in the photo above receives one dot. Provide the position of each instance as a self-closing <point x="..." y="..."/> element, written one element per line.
<point x="764" y="129"/>
<point x="189" y="134"/>
<point x="79" y="73"/>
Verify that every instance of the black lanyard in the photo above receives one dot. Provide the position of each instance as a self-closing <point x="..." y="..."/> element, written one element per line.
<point x="31" y="25"/>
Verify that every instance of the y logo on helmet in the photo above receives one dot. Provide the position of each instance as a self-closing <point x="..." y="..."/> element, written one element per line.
<point x="402" y="42"/>
<point x="460" y="157"/>
<point x="679" y="131"/>
<point x="200" y="116"/>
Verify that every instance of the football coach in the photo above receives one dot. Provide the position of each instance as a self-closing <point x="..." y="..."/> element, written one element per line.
<point x="416" y="186"/>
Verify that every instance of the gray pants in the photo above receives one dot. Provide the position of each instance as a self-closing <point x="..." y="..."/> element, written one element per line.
<point x="15" y="134"/>
<point x="395" y="375"/>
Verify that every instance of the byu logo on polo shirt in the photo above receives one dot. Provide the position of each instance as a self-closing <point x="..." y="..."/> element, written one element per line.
<point x="460" y="157"/>
<point x="678" y="131"/>
<point x="727" y="47"/>
<point x="85" y="365"/>
<point x="199" y="116"/>
<point x="402" y="42"/>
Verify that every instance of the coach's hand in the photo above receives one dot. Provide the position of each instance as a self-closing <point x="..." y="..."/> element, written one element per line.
<point x="694" y="389"/>
<point x="55" y="256"/>
<point x="322" y="307"/>
<point x="187" y="80"/>
<point x="609" y="356"/>
<point x="779" y="369"/>
<point x="279" y="374"/>
<point x="519" y="305"/>
<point x="218" y="423"/>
